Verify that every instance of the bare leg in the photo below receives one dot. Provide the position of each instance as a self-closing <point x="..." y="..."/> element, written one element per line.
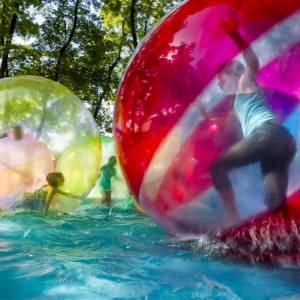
<point x="227" y="196"/>
<point x="272" y="146"/>
<point x="237" y="155"/>
<point x="106" y="199"/>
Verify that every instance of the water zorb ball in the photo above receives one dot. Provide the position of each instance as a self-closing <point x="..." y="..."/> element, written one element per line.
<point x="58" y="134"/>
<point x="165" y="146"/>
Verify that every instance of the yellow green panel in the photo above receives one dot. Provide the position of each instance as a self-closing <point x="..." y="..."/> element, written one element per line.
<point x="77" y="163"/>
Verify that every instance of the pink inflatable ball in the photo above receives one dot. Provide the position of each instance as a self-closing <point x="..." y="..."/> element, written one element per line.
<point x="24" y="165"/>
<point x="164" y="145"/>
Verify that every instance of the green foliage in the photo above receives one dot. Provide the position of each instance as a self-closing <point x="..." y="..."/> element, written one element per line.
<point x="83" y="44"/>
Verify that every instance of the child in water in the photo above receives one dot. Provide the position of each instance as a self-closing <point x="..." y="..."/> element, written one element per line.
<point x="40" y="199"/>
<point x="106" y="173"/>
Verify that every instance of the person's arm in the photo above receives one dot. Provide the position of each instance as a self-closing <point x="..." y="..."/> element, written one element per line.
<point x="101" y="169"/>
<point x="67" y="194"/>
<point x="50" y="193"/>
<point x="224" y="122"/>
<point x="64" y="193"/>
<point x="116" y="176"/>
<point x="247" y="82"/>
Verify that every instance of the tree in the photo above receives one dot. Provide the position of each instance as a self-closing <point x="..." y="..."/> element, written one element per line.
<point x="83" y="44"/>
<point x="16" y="20"/>
<point x="128" y="21"/>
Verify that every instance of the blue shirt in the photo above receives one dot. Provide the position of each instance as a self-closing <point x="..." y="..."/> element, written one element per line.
<point x="252" y="110"/>
<point x="106" y="174"/>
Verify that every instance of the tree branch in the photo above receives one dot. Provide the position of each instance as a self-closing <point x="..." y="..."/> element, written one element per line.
<point x="108" y="80"/>
<point x="132" y="23"/>
<point x="66" y="44"/>
<point x="4" y="63"/>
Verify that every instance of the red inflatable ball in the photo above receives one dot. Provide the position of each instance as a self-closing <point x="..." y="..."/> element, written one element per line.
<point x="166" y="146"/>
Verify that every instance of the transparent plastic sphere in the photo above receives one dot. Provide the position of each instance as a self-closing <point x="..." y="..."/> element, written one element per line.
<point x="44" y="127"/>
<point x="164" y="144"/>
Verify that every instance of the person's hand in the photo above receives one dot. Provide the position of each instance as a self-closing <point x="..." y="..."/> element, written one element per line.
<point x="230" y="26"/>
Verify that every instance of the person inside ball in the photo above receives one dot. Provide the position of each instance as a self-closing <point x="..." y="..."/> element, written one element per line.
<point x="265" y="139"/>
<point x="40" y="199"/>
<point x="107" y="171"/>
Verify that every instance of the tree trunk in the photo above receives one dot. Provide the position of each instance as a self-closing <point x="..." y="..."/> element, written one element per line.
<point x="7" y="45"/>
<point x="66" y="44"/>
<point x="106" y="87"/>
<point x="57" y="69"/>
<point x="132" y="23"/>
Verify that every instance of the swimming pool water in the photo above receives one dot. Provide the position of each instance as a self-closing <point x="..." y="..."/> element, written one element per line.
<point x="96" y="253"/>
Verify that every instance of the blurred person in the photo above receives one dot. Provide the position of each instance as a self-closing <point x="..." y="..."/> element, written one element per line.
<point x="265" y="139"/>
<point x="107" y="171"/>
<point x="40" y="199"/>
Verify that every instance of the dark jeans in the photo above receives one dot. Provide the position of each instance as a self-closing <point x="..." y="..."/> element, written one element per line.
<point x="271" y="145"/>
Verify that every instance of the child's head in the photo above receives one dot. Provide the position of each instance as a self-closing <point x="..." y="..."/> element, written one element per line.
<point x="233" y="67"/>
<point x="112" y="161"/>
<point x="229" y="75"/>
<point x="55" y="179"/>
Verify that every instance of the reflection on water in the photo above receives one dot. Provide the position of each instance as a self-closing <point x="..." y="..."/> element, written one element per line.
<point x="98" y="253"/>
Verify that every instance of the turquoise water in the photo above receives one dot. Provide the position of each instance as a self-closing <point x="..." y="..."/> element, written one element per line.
<point x="96" y="253"/>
